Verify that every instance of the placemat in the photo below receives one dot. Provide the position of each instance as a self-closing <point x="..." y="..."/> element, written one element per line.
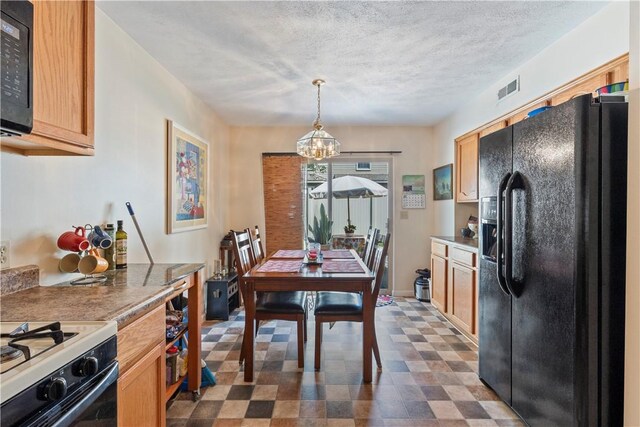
<point x="342" y="267"/>
<point x="344" y="253"/>
<point x="272" y="266"/>
<point x="289" y="253"/>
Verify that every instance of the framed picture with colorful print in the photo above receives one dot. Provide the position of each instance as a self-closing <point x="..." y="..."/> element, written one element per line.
<point x="187" y="180"/>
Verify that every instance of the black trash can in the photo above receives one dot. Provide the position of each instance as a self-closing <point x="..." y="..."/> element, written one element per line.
<point x="422" y="285"/>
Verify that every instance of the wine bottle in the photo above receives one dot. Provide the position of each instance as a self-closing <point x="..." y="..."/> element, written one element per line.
<point x="121" y="247"/>
<point x="110" y="252"/>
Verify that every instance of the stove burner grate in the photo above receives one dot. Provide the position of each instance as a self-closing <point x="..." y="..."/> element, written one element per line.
<point x="9" y="353"/>
<point x="12" y="350"/>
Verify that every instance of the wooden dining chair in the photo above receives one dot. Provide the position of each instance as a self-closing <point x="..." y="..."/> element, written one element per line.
<point x="347" y="306"/>
<point x="285" y="305"/>
<point x="256" y="244"/>
<point x="370" y="243"/>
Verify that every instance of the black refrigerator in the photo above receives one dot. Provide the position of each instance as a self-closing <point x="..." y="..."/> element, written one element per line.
<point x="552" y="267"/>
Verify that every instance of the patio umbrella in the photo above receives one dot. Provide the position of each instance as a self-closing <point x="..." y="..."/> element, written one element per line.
<point x="346" y="187"/>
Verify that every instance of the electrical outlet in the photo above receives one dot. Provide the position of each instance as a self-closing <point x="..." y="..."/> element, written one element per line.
<point x="5" y="251"/>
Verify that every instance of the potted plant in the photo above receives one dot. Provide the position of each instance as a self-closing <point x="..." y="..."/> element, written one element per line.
<point x="321" y="229"/>
<point x="349" y="229"/>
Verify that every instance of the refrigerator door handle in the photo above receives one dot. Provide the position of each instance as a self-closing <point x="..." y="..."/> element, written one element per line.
<point x="516" y="182"/>
<point x="500" y="232"/>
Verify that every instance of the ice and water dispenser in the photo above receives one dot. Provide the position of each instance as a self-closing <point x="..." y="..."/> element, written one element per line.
<point x="488" y="215"/>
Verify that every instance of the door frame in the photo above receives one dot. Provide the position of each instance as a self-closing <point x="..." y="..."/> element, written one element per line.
<point x="390" y="185"/>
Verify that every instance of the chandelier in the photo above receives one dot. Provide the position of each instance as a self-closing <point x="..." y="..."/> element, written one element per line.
<point x="318" y="144"/>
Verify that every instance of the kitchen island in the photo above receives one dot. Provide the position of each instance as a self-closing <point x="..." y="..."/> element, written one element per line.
<point x="135" y="299"/>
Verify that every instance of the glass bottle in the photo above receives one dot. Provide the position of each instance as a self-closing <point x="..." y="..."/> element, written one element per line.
<point x="110" y="252"/>
<point x="121" y="247"/>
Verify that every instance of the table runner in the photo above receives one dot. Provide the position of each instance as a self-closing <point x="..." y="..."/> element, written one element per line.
<point x="272" y="266"/>
<point x="342" y="267"/>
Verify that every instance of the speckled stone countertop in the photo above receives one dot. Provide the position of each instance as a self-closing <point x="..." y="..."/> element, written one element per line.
<point x="125" y="296"/>
<point x="19" y="278"/>
<point x="462" y="241"/>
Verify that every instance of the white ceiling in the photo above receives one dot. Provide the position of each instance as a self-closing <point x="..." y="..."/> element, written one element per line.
<point x="387" y="63"/>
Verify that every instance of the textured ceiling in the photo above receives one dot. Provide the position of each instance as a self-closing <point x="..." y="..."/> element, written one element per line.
<point x="404" y="63"/>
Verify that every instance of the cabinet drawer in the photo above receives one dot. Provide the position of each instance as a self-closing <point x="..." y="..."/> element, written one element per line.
<point x="463" y="257"/>
<point x="439" y="249"/>
<point x="138" y="338"/>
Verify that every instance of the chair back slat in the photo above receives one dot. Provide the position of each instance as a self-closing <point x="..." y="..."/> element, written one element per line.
<point x="243" y="252"/>
<point x="379" y="264"/>
<point x="370" y="243"/>
<point x="256" y="244"/>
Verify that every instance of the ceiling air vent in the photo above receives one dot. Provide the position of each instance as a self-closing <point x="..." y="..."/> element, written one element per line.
<point x="511" y="88"/>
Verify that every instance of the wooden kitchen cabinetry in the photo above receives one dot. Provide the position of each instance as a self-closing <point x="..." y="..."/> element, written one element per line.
<point x="467" y="169"/>
<point x="462" y="289"/>
<point x="63" y="81"/>
<point x="141" y="391"/>
<point x="454" y="284"/>
<point x="142" y="345"/>
<point x="141" y="385"/>
<point x="587" y="86"/>
<point x="439" y="276"/>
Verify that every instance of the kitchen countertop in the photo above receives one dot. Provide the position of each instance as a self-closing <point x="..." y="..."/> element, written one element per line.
<point x="458" y="240"/>
<point x="125" y="296"/>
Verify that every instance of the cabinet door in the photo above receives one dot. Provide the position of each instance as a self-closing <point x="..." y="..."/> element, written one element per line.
<point x="463" y="295"/>
<point x="619" y="73"/>
<point x="467" y="168"/>
<point x="588" y="86"/>
<point x="63" y="77"/>
<point x="439" y="283"/>
<point x="522" y="114"/>
<point x="141" y="391"/>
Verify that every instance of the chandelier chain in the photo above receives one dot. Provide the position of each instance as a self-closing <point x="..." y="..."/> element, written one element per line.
<point x="318" y="118"/>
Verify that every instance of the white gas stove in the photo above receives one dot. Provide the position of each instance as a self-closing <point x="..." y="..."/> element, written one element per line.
<point x="44" y="363"/>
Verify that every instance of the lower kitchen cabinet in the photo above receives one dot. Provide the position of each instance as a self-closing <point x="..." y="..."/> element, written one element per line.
<point x="141" y="391"/>
<point x="439" y="283"/>
<point x="462" y="284"/>
<point x="142" y="381"/>
<point x="454" y="285"/>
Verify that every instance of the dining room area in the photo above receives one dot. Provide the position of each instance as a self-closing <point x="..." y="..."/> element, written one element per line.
<point x="313" y="344"/>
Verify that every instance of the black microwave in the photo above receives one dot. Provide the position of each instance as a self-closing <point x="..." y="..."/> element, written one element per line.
<point x="16" y="77"/>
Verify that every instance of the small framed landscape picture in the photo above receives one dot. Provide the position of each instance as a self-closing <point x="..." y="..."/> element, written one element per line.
<point x="442" y="188"/>
<point x="187" y="180"/>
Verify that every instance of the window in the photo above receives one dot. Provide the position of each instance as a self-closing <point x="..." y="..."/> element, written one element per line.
<point x="363" y="166"/>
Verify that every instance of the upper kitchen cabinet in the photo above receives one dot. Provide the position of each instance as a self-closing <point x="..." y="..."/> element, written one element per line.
<point x="63" y="81"/>
<point x="587" y="86"/>
<point x="467" y="168"/>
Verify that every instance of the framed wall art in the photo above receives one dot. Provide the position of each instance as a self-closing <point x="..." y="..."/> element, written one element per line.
<point x="442" y="188"/>
<point x="187" y="180"/>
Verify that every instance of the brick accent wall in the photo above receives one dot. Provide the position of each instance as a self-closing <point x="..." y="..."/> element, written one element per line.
<point x="282" y="177"/>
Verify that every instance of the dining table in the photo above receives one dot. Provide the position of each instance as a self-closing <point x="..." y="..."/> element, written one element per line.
<point x="289" y="270"/>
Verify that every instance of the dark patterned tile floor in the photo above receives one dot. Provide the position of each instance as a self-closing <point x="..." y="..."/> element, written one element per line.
<point x="429" y="377"/>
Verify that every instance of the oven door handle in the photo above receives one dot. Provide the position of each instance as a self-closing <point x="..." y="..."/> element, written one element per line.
<point x="110" y="377"/>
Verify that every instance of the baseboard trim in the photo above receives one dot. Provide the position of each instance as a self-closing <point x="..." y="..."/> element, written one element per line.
<point x="403" y="293"/>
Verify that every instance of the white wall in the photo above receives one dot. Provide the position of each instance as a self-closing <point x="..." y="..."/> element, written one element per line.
<point x="44" y="196"/>
<point x="598" y="40"/>
<point x="410" y="235"/>
<point x="632" y="324"/>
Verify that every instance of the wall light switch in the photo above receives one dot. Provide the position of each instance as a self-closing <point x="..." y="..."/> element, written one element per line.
<point x="5" y="250"/>
<point x="404" y="214"/>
